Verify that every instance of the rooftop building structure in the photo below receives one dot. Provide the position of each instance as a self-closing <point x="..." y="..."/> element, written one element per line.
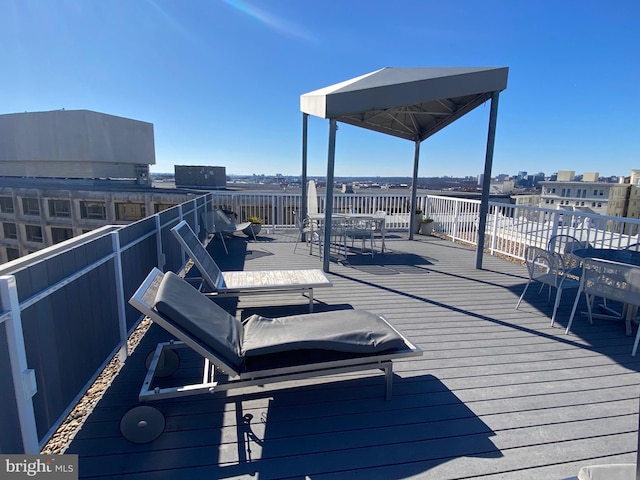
<point x="66" y="172"/>
<point x="75" y="144"/>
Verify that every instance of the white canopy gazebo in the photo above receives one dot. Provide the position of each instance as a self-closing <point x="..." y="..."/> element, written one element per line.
<point x="409" y="103"/>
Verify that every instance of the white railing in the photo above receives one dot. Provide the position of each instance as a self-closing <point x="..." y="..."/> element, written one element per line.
<point x="509" y="228"/>
<point x="276" y="209"/>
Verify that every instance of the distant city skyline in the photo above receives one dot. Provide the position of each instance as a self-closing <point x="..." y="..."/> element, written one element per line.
<point x="221" y="81"/>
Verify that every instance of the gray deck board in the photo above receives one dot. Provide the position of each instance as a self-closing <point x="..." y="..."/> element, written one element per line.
<point x="498" y="393"/>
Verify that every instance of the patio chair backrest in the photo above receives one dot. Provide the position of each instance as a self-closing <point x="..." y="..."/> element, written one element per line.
<point x="611" y="280"/>
<point x="565" y="244"/>
<point x="543" y="266"/>
<point x="207" y="266"/>
<point x="222" y="218"/>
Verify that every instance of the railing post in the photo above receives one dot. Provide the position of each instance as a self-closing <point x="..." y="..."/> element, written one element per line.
<point x="494" y="230"/>
<point x="273" y="213"/>
<point x="162" y="259"/>
<point x="456" y="220"/>
<point x="123" y="352"/>
<point x="24" y="378"/>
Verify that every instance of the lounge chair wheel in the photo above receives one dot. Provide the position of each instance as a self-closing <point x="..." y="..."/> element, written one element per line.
<point x="142" y="424"/>
<point x="167" y="364"/>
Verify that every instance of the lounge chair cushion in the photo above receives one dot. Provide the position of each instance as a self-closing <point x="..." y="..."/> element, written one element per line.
<point x="355" y="331"/>
<point x="199" y="317"/>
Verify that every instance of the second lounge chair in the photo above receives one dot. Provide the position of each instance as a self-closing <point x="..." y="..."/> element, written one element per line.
<point x="236" y="283"/>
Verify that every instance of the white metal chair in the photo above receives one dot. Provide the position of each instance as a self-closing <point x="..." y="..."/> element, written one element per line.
<point x="303" y="230"/>
<point x="564" y="245"/>
<point x="363" y="230"/>
<point x="337" y="234"/>
<point x="546" y="268"/>
<point x="610" y="280"/>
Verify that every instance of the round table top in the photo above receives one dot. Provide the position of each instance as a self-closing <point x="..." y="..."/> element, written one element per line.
<point x="623" y="256"/>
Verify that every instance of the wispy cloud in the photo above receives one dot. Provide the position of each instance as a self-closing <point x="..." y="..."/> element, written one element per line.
<point x="278" y="24"/>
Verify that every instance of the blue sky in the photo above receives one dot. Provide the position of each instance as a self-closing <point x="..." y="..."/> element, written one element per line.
<point x="221" y="79"/>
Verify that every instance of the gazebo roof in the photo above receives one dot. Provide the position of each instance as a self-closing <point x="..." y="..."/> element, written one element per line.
<point x="410" y="103"/>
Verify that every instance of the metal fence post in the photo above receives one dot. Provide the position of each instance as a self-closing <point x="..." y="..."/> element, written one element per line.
<point x="24" y="378"/>
<point x="162" y="259"/>
<point x="123" y="352"/>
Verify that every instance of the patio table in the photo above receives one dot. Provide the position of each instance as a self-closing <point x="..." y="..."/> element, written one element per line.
<point x="379" y="220"/>
<point x="628" y="257"/>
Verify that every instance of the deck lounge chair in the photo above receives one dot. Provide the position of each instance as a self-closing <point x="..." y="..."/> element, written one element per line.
<point x="244" y="282"/>
<point x="254" y="352"/>
<point x="216" y="222"/>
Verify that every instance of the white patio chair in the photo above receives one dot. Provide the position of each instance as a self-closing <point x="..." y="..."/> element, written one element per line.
<point x="564" y="245"/>
<point x="303" y="230"/>
<point x="610" y="280"/>
<point x="545" y="267"/>
<point x="363" y="230"/>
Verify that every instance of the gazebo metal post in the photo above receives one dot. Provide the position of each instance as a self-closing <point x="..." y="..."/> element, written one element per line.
<point x="328" y="208"/>
<point x="303" y="207"/>
<point x="486" y="181"/>
<point x="414" y="189"/>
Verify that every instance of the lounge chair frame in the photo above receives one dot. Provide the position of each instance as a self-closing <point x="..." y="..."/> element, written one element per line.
<point x="144" y="299"/>
<point x="238" y="283"/>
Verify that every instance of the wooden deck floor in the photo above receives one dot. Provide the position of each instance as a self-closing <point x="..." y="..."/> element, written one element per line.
<point x="498" y="393"/>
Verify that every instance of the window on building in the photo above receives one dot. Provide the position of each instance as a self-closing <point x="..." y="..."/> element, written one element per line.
<point x="599" y="204"/>
<point x="12" y="254"/>
<point x="553" y="190"/>
<point x="10" y="230"/>
<point x="582" y="204"/>
<point x="93" y="210"/>
<point x="564" y="191"/>
<point x="595" y="192"/>
<point x="158" y="207"/>
<point x="593" y="204"/>
<point x="130" y="211"/>
<point x="6" y="205"/>
<point x="552" y="200"/>
<point x="34" y="233"/>
<point x="31" y="206"/>
<point x="59" y="208"/>
<point x="59" y="234"/>
<point x="601" y="193"/>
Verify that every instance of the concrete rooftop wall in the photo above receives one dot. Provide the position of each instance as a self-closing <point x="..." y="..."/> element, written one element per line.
<point x="75" y="136"/>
